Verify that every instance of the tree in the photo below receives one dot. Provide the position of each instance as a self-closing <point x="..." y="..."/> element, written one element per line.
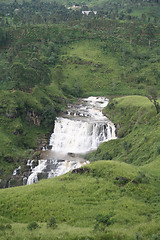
<point x="58" y="75"/>
<point x="152" y="95"/>
<point x="42" y="70"/>
<point x="2" y="37"/>
<point x="150" y="31"/>
<point x="24" y="77"/>
<point x="17" y="73"/>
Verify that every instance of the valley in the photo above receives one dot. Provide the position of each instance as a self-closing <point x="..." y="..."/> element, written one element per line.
<point x="52" y="57"/>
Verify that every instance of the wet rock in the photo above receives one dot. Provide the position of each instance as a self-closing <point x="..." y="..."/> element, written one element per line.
<point x="43" y="175"/>
<point x="49" y="147"/>
<point x="15" y="181"/>
<point x="71" y="154"/>
<point x="25" y="180"/>
<point x="17" y="171"/>
<point x="81" y="170"/>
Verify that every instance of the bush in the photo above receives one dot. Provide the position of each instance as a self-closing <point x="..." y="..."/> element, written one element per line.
<point x="126" y="146"/>
<point x="32" y="226"/>
<point x="102" y="221"/>
<point x="52" y="223"/>
<point x="142" y="178"/>
<point x="106" y="156"/>
<point x="111" y="106"/>
<point x="4" y="227"/>
<point x="8" y="226"/>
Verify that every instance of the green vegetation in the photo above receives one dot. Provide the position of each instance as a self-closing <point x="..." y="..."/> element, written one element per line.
<point x="114" y="199"/>
<point x="50" y="55"/>
<point x="79" y="202"/>
<point x="25" y="118"/>
<point x="93" y="67"/>
<point x="137" y="128"/>
<point x="44" y="62"/>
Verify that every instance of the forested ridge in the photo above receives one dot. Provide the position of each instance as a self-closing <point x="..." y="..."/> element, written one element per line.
<point x="52" y="53"/>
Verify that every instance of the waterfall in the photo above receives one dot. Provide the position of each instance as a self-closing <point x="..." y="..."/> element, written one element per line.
<point x="85" y="130"/>
<point x="80" y="136"/>
<point x="16" y="171"/>
<point x="81" y="129"/>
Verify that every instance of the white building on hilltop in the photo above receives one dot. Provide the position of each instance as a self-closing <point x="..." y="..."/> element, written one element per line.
<point x="87" y="12"/>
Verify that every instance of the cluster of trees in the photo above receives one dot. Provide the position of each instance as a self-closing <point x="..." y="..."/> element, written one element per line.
<point x="3" y="37"/>
<point x="123" y="10"/>
<point x="35" y="12"/>
<point x="26" y="77"/>
<point x="35" y="43"/>
<point x="39" y="12"/>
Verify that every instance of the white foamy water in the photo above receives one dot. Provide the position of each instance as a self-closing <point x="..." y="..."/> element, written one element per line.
<point x="81" y="129"/>
<point x="84" y="129"/>
<point x="79" y="136"/>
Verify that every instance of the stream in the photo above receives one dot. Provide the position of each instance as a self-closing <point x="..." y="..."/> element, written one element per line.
<point x="81" y="129"/>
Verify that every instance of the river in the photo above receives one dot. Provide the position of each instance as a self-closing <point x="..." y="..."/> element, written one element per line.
<point x="81" y="129"/>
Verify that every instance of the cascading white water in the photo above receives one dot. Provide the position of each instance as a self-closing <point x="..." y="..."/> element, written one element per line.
<point x="85" y="128"/>
<point x="79" y="136"/>
<point x="82" y="129"/>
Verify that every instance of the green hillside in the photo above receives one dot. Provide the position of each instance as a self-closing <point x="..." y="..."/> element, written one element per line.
<point x="102" y="67"/>
<point x="44" y="66"/>
<point x="49" y="56"/>
<point x="113" y="199"/>
<point x="138" y="131"/>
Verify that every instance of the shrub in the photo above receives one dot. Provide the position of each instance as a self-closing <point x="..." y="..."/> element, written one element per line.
<point x="102" y="221"/>
<point x="126" y="146"/>
<point x="142" y="178"/>
<point x="2" y="227"/>
<point x="52" y="223"/>
<point x="106" y="156"/>
<point x="137" y="236"/>
<point x="155" y="237"/>
<point x="8" y="226"/>
<point x="111" y="106"/>
<point x="32" y="226"/>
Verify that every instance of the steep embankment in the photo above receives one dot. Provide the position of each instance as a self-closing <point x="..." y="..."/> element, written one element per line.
<point x="25" y="119"/>
<point x="137" y="128"/>
<point x="109" y="199"/>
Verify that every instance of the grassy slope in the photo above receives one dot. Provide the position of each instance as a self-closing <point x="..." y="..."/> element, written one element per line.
<point x="18" y="135"/>
<point x="100" y="72"/>
<point x="76" y="199"/>
<point x="96" y="73"/>
<point x="138" y="129"/>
